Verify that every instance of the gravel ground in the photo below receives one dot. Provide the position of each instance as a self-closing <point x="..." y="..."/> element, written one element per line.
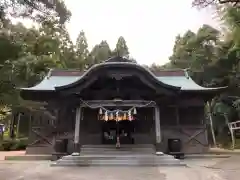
<point x="198" y="169"/>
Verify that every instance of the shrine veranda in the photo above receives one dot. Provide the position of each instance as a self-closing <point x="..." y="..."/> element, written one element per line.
<point x="118" y="102"/>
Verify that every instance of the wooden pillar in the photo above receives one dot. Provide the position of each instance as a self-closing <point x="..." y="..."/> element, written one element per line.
<point x="30" y="124"/>
<point x="211" y="123"/>
<point x="77" y="132"/>
<point x="177" y="116"/>
<point x="157" y="128"/>
<point x="18" y="124"/>
<point x="12" y="122"/>
<point x="55" y="123"/>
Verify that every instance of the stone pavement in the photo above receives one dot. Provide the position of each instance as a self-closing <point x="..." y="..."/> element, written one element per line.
<point x="199" y="169"/>
<point x="224" y="151"/>
<point x="11" y="153"/>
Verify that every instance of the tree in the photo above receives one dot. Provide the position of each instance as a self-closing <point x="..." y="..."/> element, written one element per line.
<point x="27" y="54"/>
<point x="205" y="3"/>
<point x="82" y="47"/>
<point x="9" y="51"/>
<point x="181" y="51"/>
<point x="231" y="19"/>
<point x="99" y="53"/>
<point x="121" y="48"/>
<point x="36" y="9"/>
<point x="155" y="67"/>
<point x="196" y="50"/>
<point x="214" y="60"/>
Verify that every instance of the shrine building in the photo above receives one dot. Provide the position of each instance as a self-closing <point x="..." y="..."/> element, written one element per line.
<point x="119" y="102"/>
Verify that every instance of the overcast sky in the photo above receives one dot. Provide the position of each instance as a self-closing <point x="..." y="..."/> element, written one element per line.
<point x="148" y="26"/>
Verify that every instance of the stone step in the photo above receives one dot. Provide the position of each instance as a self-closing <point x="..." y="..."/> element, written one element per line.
<point x="118" y="157"/>
<point x="112" y="150"/>
<point x="126" y="155"/>
<point x="116" y="153"/>
<point x="118" y="162"/>
<point x="116" y="150"/>
<point x="150" y="164"/>
<point x="137" y="160"/>
<point x="122" y="146"/>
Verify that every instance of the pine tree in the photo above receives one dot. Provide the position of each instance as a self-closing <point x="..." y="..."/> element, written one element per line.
<point x="82" y="46"/>
<point x="121" y="48"/>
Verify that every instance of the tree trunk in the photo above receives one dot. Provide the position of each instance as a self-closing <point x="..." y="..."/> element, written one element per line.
<point x="211" y="123"/>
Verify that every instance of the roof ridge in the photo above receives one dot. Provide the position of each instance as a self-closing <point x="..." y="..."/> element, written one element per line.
<point x="58" y="72"/>
<point x="175" y="69"/>
<point x="72" y="69"/>
<point x="65" y="72"/>
<point x="54" y="71"/>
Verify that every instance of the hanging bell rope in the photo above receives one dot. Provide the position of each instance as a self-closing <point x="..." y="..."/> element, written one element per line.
<point x="134" y="111"/>
<point x="111" y="116"/>
<point x="117" y="114"/>
<point x="129" y="116"/>
<point x="100" y="111"/>
<point x="106" y="116"/>
<point x="124" y="116"/>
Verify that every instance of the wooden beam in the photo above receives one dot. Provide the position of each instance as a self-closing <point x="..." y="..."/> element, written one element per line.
<point x="113" y="103"/>
<point x="106" y="93"/>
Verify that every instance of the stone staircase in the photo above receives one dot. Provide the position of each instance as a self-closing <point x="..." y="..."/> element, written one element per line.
<point x="127" y="155"/>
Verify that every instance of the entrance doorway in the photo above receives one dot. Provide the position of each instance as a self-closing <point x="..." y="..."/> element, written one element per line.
<point x="113" y="130"/>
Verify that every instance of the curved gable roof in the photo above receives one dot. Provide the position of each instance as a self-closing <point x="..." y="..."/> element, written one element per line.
<point x="173" y="79"/>
<point x="109" y="65"/>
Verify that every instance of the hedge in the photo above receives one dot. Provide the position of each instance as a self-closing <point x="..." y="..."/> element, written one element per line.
<point x="14" y="144"/>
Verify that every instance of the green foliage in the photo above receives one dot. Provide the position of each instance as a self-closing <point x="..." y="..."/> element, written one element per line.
<point x="27" y="54"/>
<point x="195" y="51"/>
<point x="14" y="144"/>
<point x="6" y="145"/>
<point x="213" y="59"/>
<point x="121" y="48"/>
<point x="205" y="3"/>
<point x="20" y="144"/>
<point x="39" y="10"/>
